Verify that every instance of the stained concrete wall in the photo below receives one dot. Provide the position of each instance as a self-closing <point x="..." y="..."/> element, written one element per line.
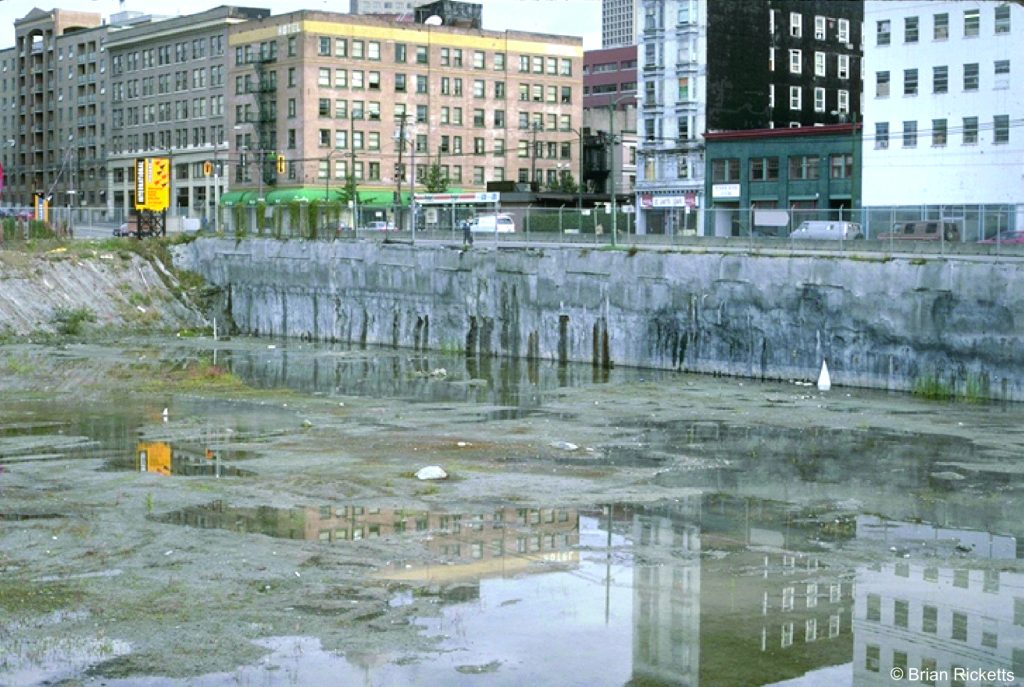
<point x="882" y="323"/>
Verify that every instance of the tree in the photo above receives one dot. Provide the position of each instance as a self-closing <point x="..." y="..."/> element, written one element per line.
<point x="436" y="181"/>
<point x="566" y="183"/>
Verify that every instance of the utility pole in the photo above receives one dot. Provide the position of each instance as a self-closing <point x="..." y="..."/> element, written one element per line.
<point x="352" y="174"/>
<point x="398" y="168"/>
<point x="611" y="176"/>
<point x="533" y="153"/>
<point x="412" y="192"/>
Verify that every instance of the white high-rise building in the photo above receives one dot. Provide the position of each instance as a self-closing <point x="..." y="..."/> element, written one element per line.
<point x="618" y="23"/>
<point x="944" y="111"/>
<point x="670" y="125"/>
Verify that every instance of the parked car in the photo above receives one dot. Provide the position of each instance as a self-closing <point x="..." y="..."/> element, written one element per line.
<point x="931" y="230"/>
<point x="378" y="226"/>
<point x="503" y="224"/>
<point x="824" y="230"/>
<point x="125" y="229"/>
<point x="1009" y="236"/>
<point x="17" y="213"/>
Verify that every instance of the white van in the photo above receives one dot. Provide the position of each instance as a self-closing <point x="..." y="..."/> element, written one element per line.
<point x="826" y="231"/>
<point x="503" y="224"/>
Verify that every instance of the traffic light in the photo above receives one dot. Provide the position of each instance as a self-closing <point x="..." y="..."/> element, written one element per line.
<point x="207" y="168"/>
<point x="399" y="171"/>
<point x="280" y="164"/>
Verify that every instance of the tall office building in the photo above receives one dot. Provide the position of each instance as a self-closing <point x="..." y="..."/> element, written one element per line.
<point x="618" y="23"/>
<point x="52" y="112"/>
<point x="944" y="113"/>
<point x="168" y="86"/>
<point x="336" y="94"/>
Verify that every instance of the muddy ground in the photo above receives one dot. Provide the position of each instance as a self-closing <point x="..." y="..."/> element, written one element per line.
<point x="100" y="581"/>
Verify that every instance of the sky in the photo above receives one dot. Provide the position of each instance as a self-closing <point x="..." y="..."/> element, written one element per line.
<point x="564" y="17"/>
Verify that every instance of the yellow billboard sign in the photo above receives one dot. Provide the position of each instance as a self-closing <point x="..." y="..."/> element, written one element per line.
<point x="152" y="183"/>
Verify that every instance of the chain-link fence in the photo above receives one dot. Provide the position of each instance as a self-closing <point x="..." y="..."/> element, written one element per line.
<point x="756" y="226"/>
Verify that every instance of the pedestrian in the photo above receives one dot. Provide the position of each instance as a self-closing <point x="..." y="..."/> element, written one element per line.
<point x="467" y="234"/>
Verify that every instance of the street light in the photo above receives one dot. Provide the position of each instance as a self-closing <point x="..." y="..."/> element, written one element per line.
<point x="611" y="147"/>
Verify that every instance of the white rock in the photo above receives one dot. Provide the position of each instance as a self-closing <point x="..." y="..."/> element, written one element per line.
<point x="564" y="445"/>
<point x="431" y="472"/>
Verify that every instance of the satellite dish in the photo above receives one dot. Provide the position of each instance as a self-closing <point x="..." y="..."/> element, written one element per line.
<point x="433" y="20"/>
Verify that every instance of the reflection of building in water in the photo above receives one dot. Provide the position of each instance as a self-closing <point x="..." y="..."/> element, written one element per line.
<point x="727" y="593"/>
<point x="502" y="540"/>
<point x="666" y="593"/>
<point x="964" y="613"/>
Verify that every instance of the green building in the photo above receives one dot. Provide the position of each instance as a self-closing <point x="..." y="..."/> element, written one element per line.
<point x="802" y="173"/>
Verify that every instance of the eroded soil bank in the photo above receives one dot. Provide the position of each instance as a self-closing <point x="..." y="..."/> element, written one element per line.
<point x="622" y="527"/>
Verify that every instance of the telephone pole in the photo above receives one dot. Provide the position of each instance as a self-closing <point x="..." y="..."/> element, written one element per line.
<point x="398" y="169"/>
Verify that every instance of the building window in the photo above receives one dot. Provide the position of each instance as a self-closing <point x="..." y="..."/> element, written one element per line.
<point x="909" y="82"/>
<point x="901" y="613"/>
<point x="881" y="135"/>
<point x="959" y="626"/>
<point x="843" y="31"/>
<point x="971" y="78"/>
<point x="725" y="170"/>
<point x="881" y="84"/>
<point x="323" y="46"/>
<point x="421" y="54"/>
<point x="843" y="70"/>
<point x="803" y="167"/>
<point x="874" y="602"/>
<point x="794" y="62"/>
<point x="819" y="28"/>
<point x="795" y="98"/>
<point x="341" y="47"/>
<point x="401" y="52"/>
<point x="324" y="77"/>
<point x="970" y="131"/>
<point x="358" y="50"/>
<point x="1002" y="19"/>
<point x="1002" y="74"/>
<point x="883" y="32"/>
<point x="421" y="83"/>
<point x="972" y="22"/>
<point x="796" y="24"/>
<point x="872" y="657"/>
<point x="1001" y="129"/>
<point x="842" y="101"/>
<point x="373" y="51"/>
<point x="940" y="79"/>
<point x="764" y="169"/>
<point x="819" y="64"/>
<point x="910" y="30"/>
<point x="940" y="32"/>
<point x="819" y="99"/>
<point x="910" y="134"/>
<point x="938" y="132"/>
<point x="929" y="619"/>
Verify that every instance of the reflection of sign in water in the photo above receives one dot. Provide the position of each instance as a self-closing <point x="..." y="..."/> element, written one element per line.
<point x="158" y="457"/>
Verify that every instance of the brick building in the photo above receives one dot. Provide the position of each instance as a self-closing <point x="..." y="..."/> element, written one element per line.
<point x="336" y="94"/>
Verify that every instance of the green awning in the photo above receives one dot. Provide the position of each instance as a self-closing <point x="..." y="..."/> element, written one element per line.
<point x="280" y="196"/>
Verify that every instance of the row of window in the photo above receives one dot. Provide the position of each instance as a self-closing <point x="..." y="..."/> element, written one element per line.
<point x="447" y="57"/>
<point x="452" y="173"/>
<point x="800" y="168"/>
<point x="150" y="58"/>
<point x="940" y="79"/>
<point x="167" y="83"/>
<point x="167" y="111"/>
<point x="930" y="619"/>
<point x="796" y="99"/>
<point x="339" y="139"/>
<point x="941" y="131"/>
<point x="796" y="26"/>
<point x="168" y="138"/>
<point x="339" y="108"/>
<point x="796" y="63"/>
<point x="940" y="25"/>
<point x="811" y="632"/>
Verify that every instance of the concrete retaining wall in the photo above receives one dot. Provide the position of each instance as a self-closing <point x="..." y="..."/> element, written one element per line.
<point x="879" y="322"/>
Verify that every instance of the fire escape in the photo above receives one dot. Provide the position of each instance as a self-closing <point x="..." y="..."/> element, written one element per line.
<point x="265" y="90"/>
